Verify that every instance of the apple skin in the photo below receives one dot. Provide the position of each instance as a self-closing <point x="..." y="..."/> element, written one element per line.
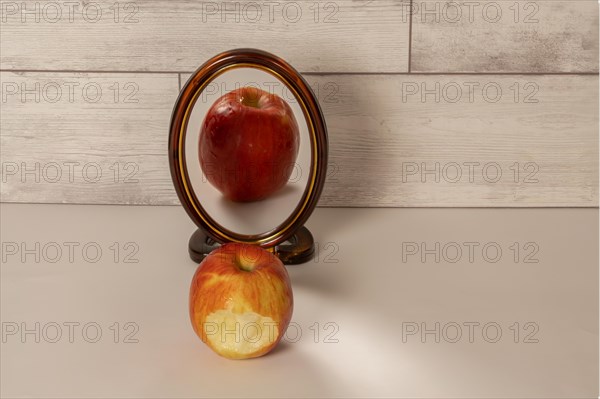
<point x="234" y="285"/>
<point x="248" y="144"/>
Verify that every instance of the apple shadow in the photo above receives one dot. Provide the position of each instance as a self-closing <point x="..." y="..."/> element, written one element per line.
<point x="281" y="348"/>
<point x="259" y="216"/>
<point x="304" y="375"/>
<point x="285" y="191"/>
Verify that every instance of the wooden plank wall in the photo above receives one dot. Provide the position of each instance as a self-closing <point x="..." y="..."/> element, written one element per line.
<point x="428" y="103"/>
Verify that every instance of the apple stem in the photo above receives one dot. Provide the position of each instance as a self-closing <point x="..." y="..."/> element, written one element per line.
<point x="250" y="101"/>
<point x="244" y="264"/>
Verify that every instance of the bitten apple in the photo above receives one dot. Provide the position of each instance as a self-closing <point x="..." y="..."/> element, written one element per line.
<point x="248" y="144"/>
<point x="241" y="301"/>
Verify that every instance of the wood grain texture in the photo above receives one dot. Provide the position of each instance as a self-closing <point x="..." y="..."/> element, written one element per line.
<point x="102" y="139"/>
<point x="384" y="140"/>
<point x="167" y="35"/>
<point x="505" y="36"/>
<point x="385" y="133"/>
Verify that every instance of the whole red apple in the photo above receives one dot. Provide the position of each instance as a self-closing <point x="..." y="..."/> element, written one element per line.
<point x="248" y="144"/>
<point x="241" y="301"/>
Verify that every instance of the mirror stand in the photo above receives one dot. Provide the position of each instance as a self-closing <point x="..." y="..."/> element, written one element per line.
<point x="299" y="248"/>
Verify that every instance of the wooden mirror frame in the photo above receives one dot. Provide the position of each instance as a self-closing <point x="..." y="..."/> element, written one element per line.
<point x="248" y="58"/>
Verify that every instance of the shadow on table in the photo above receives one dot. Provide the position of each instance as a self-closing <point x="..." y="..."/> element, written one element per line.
<point x="284" y="372"/>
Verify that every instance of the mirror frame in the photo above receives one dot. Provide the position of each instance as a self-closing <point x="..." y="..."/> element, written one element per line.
<point x="190" y="92"/>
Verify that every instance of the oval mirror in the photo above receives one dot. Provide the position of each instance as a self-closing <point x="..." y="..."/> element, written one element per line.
<point x="248" y="154"/>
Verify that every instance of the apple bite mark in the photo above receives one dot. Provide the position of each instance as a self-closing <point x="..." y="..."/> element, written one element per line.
<point x="240" y="335"/>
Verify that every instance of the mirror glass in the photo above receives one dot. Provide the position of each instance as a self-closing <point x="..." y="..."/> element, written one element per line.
<point x="248" y="150"/>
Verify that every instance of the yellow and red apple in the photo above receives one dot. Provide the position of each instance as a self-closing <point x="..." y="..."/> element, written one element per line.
<point x="248" y="145"/>
<point x="241" y="301"/>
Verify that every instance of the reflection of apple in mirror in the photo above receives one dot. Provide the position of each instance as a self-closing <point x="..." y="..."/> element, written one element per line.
<point x="249" y="143"/>
<point x="241" y="301"/>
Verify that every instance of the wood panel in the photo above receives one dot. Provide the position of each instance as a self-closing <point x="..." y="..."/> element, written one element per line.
<point x="86" y="138"/>
<point x="403" y="140"/>
<point x="167" y="35"/>
<point x="465" y="129"/>
<point x="505" y="36"/>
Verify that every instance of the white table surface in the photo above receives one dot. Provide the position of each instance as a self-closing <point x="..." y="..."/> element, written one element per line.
<point x="360" y="284"/>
